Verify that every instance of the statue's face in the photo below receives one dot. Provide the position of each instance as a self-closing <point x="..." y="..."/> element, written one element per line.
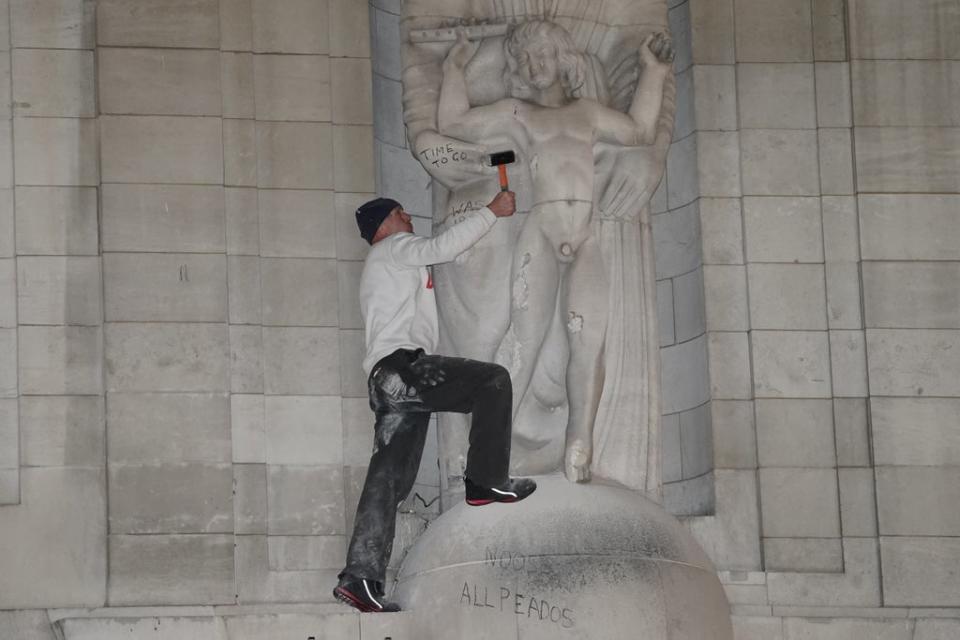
<point x="538" y="65"/>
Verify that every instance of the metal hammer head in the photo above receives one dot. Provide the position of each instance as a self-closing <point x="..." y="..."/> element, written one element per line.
<point x="502" y="157"/>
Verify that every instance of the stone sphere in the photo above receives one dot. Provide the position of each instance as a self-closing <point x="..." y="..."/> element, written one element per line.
<point x="571" y="561"/>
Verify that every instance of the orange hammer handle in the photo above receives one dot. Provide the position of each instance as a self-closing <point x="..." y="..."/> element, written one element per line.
<point x="504" y="185"/>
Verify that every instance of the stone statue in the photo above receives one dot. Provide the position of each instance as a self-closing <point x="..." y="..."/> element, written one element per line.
<point x="564" y="299"/>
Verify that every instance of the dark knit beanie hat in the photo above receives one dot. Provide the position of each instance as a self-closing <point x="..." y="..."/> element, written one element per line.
<point x="371" y="214"/>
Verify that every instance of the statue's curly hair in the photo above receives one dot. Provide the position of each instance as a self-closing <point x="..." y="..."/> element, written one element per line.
<point x="572" y="63"/>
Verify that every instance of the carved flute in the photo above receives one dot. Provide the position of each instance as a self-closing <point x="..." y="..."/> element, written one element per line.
<point x="449" y="34"/>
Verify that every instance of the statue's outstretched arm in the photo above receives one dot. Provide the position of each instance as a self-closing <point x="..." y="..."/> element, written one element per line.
<point x="639" y="127"/>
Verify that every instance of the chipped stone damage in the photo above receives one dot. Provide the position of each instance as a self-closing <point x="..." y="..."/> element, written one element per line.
<point x="521" y="290"/>
<point x="574" y="322"/>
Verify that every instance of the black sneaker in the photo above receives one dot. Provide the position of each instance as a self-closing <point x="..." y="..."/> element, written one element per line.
<point x="365" y="595"/>
<point x="513" y="490"/>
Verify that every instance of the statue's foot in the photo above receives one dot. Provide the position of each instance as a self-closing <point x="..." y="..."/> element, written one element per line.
<point x="577" y="462"/>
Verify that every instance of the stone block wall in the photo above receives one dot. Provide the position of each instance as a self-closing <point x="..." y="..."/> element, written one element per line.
<point x="831" y="311"/>
<point x="181" y="397"/>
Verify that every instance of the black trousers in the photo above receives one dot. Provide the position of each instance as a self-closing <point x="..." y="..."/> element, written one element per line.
<point x="405" y="388"/>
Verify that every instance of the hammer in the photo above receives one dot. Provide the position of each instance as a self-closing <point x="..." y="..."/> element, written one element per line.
<point x="500" y="160"/>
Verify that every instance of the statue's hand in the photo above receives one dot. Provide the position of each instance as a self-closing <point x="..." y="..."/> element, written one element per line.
<point x="626" y="179"/>
<point x="657" y="50"/>
<point x="451" y="162"/>
<point x="462" y="51"/>
<point x="577" y="461"/>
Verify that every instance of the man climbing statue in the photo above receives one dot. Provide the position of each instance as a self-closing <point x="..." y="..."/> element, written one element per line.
<point x="407" y="382"/>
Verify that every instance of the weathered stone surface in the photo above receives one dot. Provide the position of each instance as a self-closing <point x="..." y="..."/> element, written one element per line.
<point x="734" y="434"/>
<point x="911" y="295"/>
<point x="294" y="155"/>
<point x="292" y="87"/>
<point x="250" y="498"/>
<point x="725" y="290"/>
<point x="9" y="434"/>
<point x="335" y="625"/>
<point x="297" y="224"/>
<point x="812" y="555"/>
<point x="833" y="94"/>
<point x="60" y="360"/>
<point x="349" y="29"/>
<point x="791" y="364"/>
<point x="236" y="25"/>
<point x="912" y="363"/>
<point x="54" y="83"/>
<point x="857" y="586"/>
<point x="159" y="82"/>
<point x="163" y="218"/>
<point x="284" y="282"/>
<point x="307" y="553"/>
<point x="299" y="360"/>
<point x="671" y="461"/>
<point x="688" y="305"/>
<point x="684" y="375"/>
<point x="850" y="426"/>
<point x="8" y="293"/>
<point x="836" y="161"/>
<point x="787" y="296"/>
<point x="56" y="221"/>
<point x="776" y="96"/>
<point x="26" y="624"/>
<point x="722" y="230"/>
<point x="795" y="433"/>
<point x="62" y="431"/>
<point x="910" y="501"/>
<point x="167" y="627"/>
<point x="186" y="497"/>
<point x="240" y="153"/>
<point x="783" y="229"/>
<point x="712" y="32"/>
<point x="353" y="147"/>
<point x="56" y="151"/>
<point x="166" y="357"/>
<point x="165" y="287"/>
<point x="840" y="229"/>
<point x="59" y="290"/>
<point x="357" y="431"/>
<point x="676" y="237"/>
<point x="718" y="163"/>
<point x="6" y="153"/>
<point x="256" y="583"/>
<point x="891" y="30"/>
<point x="151" y="428"/>
<point x="236" y="84"/>
<point x="56" y="563"/>
<point x="846" y="628"/>
<point x="10" y="487"/>
<point x="890" y="93"/>
<point x="664" y="312"/>
<point x="843" y="295"/>
<point x="829" y="30"/>
<point x="388" y="112"/>
<point x="716" y="96"/>
<point x="185" y="150"/>
<point x="777" y="31"/>
<point x="696" y="441"/>
<point x="6" y="223"/>
<point x="930" y="232"/>
<point x="933" y="629"/>
<point x="401" y="174"/>
<point x="305" y="500"/>
<point x="351" y="86"/>
<point x="8" y="363"/>
<point x="908" y="159"/>
<point x="779" y="162"/>
<point x="57" y="24"/>
<point x="757" y="628"/>
<point x="171" y="569"/>
<point x="243" y="222"/>
<point x="291" y="26"/>
<point x="848" y="364"/>
<point x="732" y="537"/>
<point x="858" y="506"/>
<point x="682" y="180"/>
<point x="348" y="275"/>
<point x="729" y="366"/>
<point x="304" y="430"/>
<point x="246" y="359"/>
<point x="248" y="428"/>
<point x="920" y="571"/>
<point x="915" y="431"/>
<point x="353" y="381"/>
<point x="800" y="503"/>
<point x="182" y="23"/>
<point x="244" y="289"/>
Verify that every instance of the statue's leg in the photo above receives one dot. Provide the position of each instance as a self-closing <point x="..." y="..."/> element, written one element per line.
<point x="585" y="301"/>
<point x="534" y="284"/>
